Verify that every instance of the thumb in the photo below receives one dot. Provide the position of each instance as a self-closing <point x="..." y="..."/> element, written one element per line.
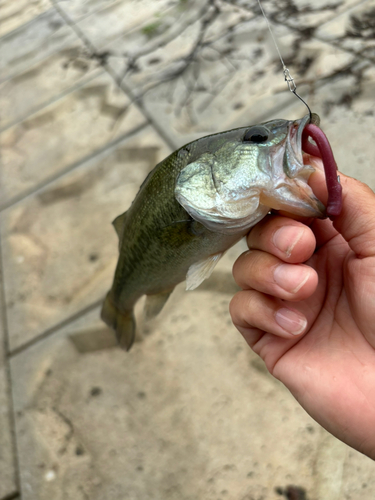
<point x="356" y="222"/>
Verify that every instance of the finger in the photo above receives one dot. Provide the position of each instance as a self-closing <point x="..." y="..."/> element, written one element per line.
<point x="253" y="310"/>
<point x="324" y="231"/>
<point x="251" y="335"/>
<point x="357" y="220"/>
<point x="287" y="239"/>
<point x="266" y="273"/>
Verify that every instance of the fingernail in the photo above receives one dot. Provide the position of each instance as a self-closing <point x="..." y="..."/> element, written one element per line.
<point x="287" y="237"/>
<point x="291" y="277"/>
<point x="291" y="321"/>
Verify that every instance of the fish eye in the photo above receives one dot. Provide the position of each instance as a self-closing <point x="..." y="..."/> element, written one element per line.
<point x="256" y="135"/>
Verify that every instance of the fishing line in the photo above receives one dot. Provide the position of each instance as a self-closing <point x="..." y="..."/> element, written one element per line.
<point x="287" y="76"/>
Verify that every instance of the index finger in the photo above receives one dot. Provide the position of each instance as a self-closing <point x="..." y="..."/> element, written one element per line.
<point x="287" y="239"/>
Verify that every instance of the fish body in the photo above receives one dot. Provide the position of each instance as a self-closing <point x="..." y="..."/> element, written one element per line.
<point x="197" y="203"/>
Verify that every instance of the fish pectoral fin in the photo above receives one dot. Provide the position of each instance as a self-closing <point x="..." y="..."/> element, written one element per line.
<point x="122" y="322"/>
<point x="118" y="224"/>
<point x="155" y="303"/>
<point x="201" y="270"/>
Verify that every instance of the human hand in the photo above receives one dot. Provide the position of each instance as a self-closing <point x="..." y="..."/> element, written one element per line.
<point x="307" y="308"/>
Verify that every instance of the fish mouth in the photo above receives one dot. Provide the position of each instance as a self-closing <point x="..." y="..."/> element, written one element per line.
<point x="292" y="193"/>
<point x="293" y="150"/>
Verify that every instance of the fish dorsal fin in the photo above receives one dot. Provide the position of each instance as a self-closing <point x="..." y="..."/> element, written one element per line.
<point x="201" y="270"/>
<point x="118" y="224"/>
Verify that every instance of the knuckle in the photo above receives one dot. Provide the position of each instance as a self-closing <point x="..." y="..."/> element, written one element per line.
<point x="241" y="305"/>
<point x="242" y="268"/>
<point x="235" y="304"/>
<point x="250" y="300"/>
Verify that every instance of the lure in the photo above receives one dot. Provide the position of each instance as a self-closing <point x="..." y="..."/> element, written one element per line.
<point x="324" y="151"/>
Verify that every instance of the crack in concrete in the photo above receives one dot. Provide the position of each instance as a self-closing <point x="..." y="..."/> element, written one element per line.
<point x="8" y="376"/>
<point x="95" y="54"/>
<point x="55" y="328"/>
<point x="49" y="180"/>
<point x="12" y="496"/>
<point x="70" y="432"/>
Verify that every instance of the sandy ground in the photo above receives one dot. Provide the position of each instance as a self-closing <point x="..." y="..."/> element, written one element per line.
<point x="93" y="94"/>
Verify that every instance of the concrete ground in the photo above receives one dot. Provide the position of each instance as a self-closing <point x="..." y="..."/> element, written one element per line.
<point x="93" y="93"/>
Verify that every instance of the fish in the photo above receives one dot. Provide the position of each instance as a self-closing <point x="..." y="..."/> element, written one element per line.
<point x="196" y="204"/>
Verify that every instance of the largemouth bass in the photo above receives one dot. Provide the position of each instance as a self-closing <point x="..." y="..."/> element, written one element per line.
<point x="197" y="203"/>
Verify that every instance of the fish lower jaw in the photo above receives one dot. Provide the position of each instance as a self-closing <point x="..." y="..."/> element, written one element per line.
<point x="228" y="224"/>
<point x="304" y="205"/>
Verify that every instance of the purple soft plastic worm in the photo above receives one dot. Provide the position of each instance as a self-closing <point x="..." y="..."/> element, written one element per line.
<point x="324" y="151"/>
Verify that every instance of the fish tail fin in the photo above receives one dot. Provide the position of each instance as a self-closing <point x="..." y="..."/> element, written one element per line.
<point x="122" y="322"/>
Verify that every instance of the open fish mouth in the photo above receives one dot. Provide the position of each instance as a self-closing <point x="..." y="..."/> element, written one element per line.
<point x="298" y="141"/>
<point x="293" y="159"/>
<point x="291" y="192"/>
